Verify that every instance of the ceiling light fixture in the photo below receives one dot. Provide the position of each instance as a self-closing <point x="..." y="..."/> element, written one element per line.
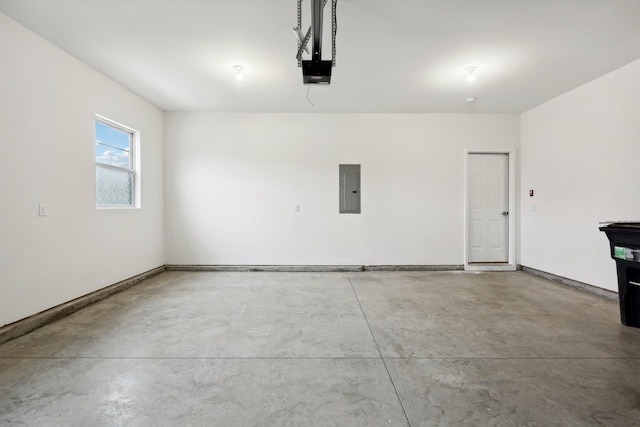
<point x="471" y="76"/>
<point x="470" y="100"/>
<point x="238" y="69"/>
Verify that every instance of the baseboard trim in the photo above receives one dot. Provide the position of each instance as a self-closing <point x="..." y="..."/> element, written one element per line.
<point x="413" y="268"/>
<point x="268" y="268"/>
<point x="313" y="268"/>
<point x="573" y="283"/>
<point x="31" y="323"/>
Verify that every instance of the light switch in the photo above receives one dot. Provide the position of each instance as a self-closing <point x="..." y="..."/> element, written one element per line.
<point x="42" y="209"/>
<point x="297" y="208"/>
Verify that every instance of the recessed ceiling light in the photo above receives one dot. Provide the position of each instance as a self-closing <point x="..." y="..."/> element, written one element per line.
<point x="471" y="99"/>
<point x="238" y="69"/>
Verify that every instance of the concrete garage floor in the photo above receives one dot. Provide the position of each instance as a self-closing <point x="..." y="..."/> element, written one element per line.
<point x="329" y="349"/>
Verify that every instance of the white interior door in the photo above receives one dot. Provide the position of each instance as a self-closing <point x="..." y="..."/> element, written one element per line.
<point x="488" y="202"/>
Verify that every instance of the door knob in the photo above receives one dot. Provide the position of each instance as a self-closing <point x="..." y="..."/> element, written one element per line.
<point x="505" y="213"/>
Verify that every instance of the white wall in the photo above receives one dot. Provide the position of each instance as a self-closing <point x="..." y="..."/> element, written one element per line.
<point x="233" y="181"/>
<point x="581" y="155"/>
<point x="47" y="105"/>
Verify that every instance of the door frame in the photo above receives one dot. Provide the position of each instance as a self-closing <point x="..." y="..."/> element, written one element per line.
<point x="511" y="229"/>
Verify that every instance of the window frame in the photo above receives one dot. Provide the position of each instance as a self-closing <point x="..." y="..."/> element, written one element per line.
<point x="134" y="161"/>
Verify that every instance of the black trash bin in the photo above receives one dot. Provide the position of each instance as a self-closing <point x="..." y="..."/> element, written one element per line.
<point x="624" y="239"/>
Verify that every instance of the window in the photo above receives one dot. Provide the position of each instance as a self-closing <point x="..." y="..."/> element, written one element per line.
<point x="115" y="164"/>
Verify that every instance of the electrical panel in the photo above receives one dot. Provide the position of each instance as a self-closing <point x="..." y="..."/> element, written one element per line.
<point x="349" y="189"/>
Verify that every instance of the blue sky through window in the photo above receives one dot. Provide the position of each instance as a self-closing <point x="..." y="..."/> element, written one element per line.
<point x="113" y="146"/>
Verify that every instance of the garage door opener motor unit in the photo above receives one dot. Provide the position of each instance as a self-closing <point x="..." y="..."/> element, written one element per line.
<point x="315" y="70"/>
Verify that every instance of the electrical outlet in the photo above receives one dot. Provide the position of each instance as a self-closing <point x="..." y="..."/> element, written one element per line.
<point x="42" y="209"/>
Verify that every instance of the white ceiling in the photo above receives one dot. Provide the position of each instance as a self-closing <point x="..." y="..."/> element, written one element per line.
<point x="400" y="56"/>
